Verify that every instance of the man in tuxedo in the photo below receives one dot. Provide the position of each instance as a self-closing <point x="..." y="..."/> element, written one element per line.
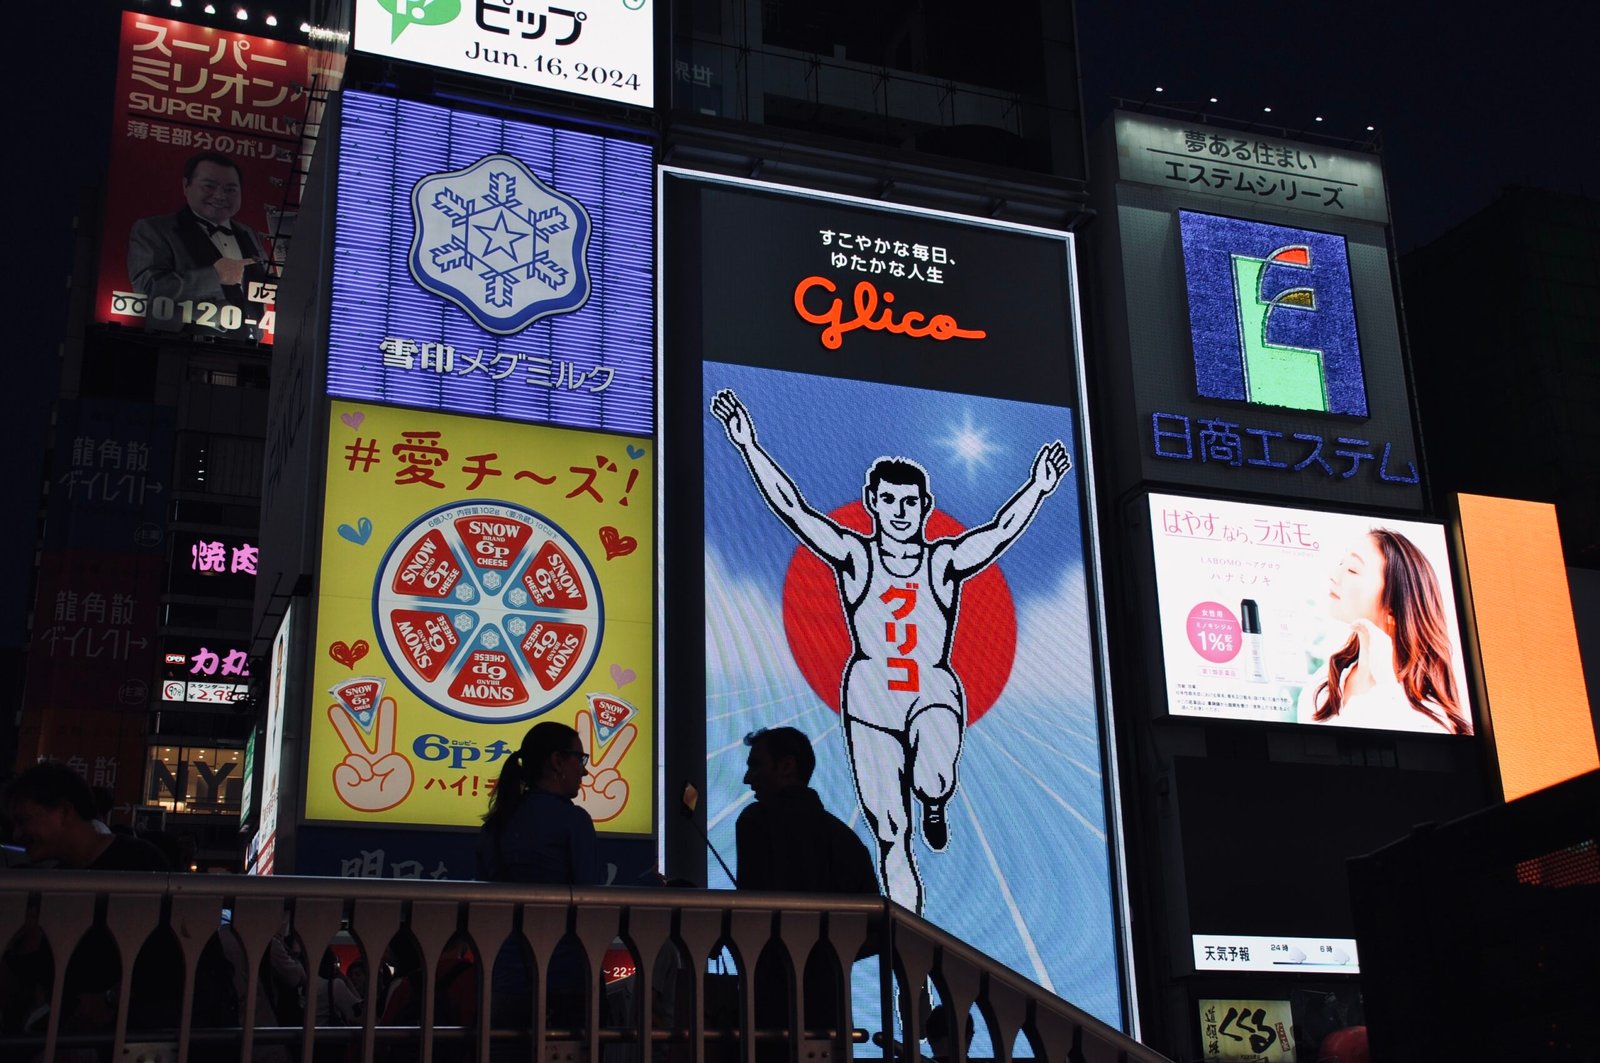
<point x="201" y="256"/>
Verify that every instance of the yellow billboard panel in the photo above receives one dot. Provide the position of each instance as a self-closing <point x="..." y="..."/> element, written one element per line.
<point x="1247" y="1031"/>
<point x="478" y="577"/>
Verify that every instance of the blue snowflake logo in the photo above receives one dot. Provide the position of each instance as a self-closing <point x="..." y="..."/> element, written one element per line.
<point x="500" y="243"/>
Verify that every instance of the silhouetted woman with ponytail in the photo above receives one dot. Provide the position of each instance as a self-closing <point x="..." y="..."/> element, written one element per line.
<point x="533" y="832"/>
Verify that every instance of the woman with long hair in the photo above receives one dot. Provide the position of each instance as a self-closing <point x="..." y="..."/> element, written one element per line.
<point x="533" y="832"/>
<point x="1395" y="669"/>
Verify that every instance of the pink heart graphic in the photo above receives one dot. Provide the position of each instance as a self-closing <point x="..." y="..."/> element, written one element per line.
<point x="349" y="655"/>
<point x="622" y="676"/>
<point x="353" y="419"/>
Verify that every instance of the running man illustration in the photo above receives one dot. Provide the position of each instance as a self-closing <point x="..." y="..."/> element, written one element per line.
<point x="903" y="706"/>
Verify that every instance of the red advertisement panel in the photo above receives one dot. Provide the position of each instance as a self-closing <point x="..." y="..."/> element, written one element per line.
<point x="94" y="631"/>
<point x="206" y="127"/>
<point x="105" y="746"/>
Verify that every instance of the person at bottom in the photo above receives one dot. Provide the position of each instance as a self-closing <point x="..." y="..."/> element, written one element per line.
<point x="534" y="833"/>
<point x="53" y="815"/>
<point x="787" y="841"/>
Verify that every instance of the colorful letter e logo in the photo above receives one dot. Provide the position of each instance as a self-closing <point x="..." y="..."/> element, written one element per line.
<point x="1272" y="315"/>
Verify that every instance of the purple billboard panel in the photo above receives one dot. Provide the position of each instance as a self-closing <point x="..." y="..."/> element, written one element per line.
<point x="487" y="266"/>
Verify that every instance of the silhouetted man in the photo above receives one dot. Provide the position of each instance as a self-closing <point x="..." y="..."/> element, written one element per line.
<point x="786" y="840"/>
<point x="53" y="817"/>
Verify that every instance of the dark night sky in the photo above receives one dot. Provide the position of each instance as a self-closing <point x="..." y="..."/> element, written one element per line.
<point x="1466" y="100"/>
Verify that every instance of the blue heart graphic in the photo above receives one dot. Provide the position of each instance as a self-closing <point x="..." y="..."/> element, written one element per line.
<point x="360" y="533"/>
<point x="635" y="452"/>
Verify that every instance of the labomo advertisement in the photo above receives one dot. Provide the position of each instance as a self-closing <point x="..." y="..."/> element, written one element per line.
<point x="1300" y="616"/>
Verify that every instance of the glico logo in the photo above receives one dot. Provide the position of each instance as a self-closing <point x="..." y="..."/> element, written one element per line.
<point x="865" y="304"/>
<point x="1272" y="315"/>
<point x="499" y="243"/>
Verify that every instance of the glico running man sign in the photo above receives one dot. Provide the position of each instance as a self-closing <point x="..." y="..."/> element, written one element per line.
<point x="883" y="409"/>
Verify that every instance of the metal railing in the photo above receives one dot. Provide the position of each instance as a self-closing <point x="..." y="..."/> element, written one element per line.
<point x="151" y="956"/>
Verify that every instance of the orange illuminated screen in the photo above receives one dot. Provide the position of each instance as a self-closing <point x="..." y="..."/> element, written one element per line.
<point x="1538" y="704"/>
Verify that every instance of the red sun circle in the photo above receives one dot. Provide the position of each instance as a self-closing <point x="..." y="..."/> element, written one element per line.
<point x="814" y="622"/>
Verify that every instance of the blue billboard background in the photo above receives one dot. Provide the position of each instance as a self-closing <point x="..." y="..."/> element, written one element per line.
<point x="1026" y="874"/>
<point x="588" y="364"/>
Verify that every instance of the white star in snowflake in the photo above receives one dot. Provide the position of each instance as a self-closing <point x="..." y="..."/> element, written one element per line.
<point x="501" y="236"/>
<point x="501" y="200"/>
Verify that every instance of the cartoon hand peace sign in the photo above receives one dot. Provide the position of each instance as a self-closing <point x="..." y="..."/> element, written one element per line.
<point x="605" y="791"/>
<point x="375" y="780"/>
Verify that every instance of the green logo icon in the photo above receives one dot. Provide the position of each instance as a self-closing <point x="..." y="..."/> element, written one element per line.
<point x="403" y="13"/>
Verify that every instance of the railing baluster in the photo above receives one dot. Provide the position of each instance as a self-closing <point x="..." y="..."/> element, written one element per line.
<point x="700" y="931"/>
<point x="848" y="933"/>
<point x="195" y="917"/>
<point x="800" y="931"/>
<point x="64" y="918"/>
<point x="374" y="923"/>
<point x="255" y="920"/>
<point x="433" y="924"/>
<point x="694" y="923"/>
<point x="959" y="982"/>
<point x="749" y="929"/>
<point x="316" y="921"/>
<point x="596" y="927"/>
<point x="917" y="959"/>
<point x="1009" y="1008"/>
<point x="489" y="925"/>
<point x="544" y="925"/>
<point x="130" y="918"/>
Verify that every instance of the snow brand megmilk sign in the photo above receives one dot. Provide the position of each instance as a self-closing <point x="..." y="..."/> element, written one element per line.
<point x="500" y="244"/>
<point x="491" y="267"/>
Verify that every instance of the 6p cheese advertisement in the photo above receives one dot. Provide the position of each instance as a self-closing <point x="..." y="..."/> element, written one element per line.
<point x="478" y="577"/>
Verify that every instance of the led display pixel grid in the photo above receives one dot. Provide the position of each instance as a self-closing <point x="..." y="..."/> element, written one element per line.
<point x="391" y="341"/>
<point x="807" y="338"/>
<point x="1272" y="315"/>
